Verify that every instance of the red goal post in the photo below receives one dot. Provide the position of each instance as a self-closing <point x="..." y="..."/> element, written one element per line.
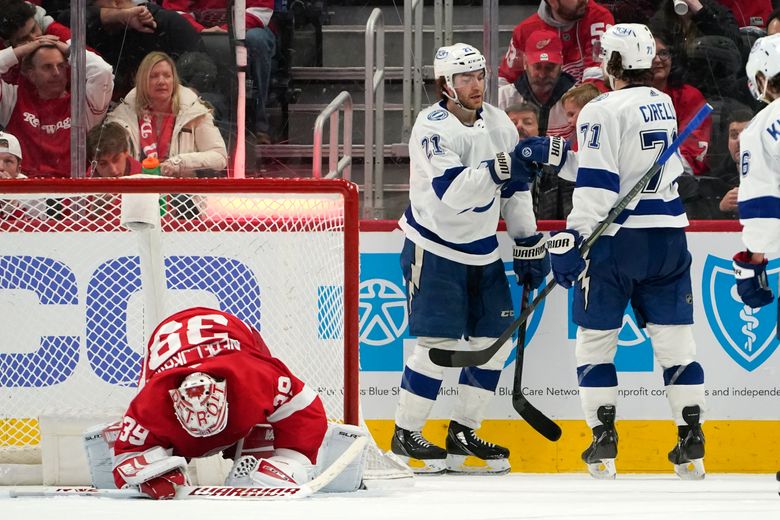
<point x="83" y="279"/>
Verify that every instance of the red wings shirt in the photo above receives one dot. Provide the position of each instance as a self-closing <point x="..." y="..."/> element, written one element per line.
<point x="578" y="41"/>
<point x="260" y="389"/>
<point x="687" y="100"/>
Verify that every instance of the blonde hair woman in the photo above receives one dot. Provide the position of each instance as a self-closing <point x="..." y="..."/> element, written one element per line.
<point x="169" y="121"/>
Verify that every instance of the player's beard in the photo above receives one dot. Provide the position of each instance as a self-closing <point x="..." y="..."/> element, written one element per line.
<point x="572" y="15"/>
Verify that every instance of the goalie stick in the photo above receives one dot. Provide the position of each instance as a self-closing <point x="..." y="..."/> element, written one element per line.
<point x="467" y="358"/>
<point x="210" y="492"/>
<point x="535" y="419"/>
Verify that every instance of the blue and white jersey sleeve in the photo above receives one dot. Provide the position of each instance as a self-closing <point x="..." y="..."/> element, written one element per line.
<point x="456" y="184"/>
<point x="759" y="187"/>
<point x="598" y="177"/>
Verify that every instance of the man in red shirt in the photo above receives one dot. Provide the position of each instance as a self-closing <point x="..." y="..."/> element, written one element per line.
<point x="579" y="23"/>
<point x="37" y="109"/>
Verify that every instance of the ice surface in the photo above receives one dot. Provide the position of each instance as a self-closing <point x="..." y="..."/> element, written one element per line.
<point x="448" y="497"/>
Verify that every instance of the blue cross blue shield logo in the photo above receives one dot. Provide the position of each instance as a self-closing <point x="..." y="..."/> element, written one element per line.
<point x="747" y="335"/>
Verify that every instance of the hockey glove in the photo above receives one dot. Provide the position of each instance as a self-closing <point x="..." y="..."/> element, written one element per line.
<point x="519" y="170"/>
<point x="531" y="261"/>
<point x="543" y="150"/>
<point x="752" y="284"/>
<point x="154" y="472"/>
<point x="164" y="486"/>
<point x="275" y="471"/>
<point x="567" y="264"/>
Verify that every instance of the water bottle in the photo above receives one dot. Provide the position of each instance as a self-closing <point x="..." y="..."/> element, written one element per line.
<point x="151" y="166"/>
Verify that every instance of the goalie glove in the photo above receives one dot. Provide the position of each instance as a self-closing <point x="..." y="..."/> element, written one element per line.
<point x="154" y="472"/>
<point x="752" y="284"/>
<point x="531" y="261"/>
<point x="567" y="264"/>
<point x="284" y="469"/>
<point x="551" y="151"/>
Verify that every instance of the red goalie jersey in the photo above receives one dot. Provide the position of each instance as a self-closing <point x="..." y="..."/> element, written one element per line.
<point x="254" y="388"/>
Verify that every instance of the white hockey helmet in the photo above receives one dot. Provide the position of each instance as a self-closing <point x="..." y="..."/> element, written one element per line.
<point x="633" y="41"/>
<point x="456" y="59"/>
<point x="765" y="58"/>
<point x="200" y="404"/>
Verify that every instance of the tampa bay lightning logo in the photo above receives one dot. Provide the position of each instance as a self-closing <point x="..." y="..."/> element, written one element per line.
<point x="442" y="53"/>
<point x="383" y="316"/>
<point x="747" y="335"/>
<point x="526" y="152"/>
<point x="438" y="115"/>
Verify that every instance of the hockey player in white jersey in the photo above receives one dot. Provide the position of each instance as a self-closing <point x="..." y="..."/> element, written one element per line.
<point x="642" y="258"/>
<point x="465" y="173"/>
<point x="759" y="186"/>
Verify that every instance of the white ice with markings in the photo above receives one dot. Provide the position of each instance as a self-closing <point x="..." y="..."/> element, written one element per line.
<point x="521" y="496"/>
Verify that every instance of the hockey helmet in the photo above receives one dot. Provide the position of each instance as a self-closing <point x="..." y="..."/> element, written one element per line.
<point x="456" y="59"/>
<point x="200" y="404"/>
<point x="633" y="41"/>
<point x="765" y="58"/>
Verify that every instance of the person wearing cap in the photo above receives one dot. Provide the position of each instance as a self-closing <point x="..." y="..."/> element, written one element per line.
<point x="10" y="157"/>
<point x="542" y="83"/>
<point x="578" y="23"/>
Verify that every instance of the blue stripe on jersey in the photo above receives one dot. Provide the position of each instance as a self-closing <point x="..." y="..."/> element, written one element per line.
<point x="597" y="376"/>
<point x="648" y="207"/>
<point x="692" y="374"/>
<point x="483" y="246"/>
<point x="512" y="187"/>
<point x="760" y="207"/>
<point x="485" y="207"/>
<point x="443" y="182"/>
<point x="598" y="178"/>
<point x="480" y="378"/>
<point x="420" y="384"/>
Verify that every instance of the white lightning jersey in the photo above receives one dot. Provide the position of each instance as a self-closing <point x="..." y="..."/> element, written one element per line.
<point x="759" y="185"/>
<point x="456" y="194"/>
<point x="621" y="134"/>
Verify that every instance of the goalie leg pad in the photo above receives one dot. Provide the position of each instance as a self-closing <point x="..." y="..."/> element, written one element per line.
<point x="99" y="444"/>
<point x="338" y="438"/>
<point x="286" y="468"/>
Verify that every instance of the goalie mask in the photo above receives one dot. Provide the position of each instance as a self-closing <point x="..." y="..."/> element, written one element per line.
<point x="456" y="59"/>
<point x="200" y="404"/>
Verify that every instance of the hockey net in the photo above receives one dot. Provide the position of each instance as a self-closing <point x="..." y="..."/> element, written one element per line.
<point x="87" y="270"/>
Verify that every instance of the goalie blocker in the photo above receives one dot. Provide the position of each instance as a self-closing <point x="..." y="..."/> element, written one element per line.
<point x="181" y="413"/>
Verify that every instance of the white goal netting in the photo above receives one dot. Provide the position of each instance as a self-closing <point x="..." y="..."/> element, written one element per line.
<point x="86" y="275"/>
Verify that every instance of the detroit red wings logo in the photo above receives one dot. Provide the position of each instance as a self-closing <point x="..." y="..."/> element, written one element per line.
<point x="541" y="44"/>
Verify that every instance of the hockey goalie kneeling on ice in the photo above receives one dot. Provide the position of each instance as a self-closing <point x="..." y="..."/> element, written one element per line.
<point x="209" y="384"/>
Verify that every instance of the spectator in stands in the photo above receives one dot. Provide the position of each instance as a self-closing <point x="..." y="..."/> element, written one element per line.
<point x="108" y="152"/>
<point x="525" y="116"/>
<point x="22" y="22"/>
<point x="704" y="18"/>
<point x="579" y="24"/>
<point x="752" y="13"/>
<point x="573" y="101"/>
<point x="10" y="157"/>
<point x="211" y="16"/>
<point x="631" y="11"/>
<point x="729" y="172"/>
<point x="542" y="83"/>
<point x="37" y="110"/>
<point x="124" y="33"/>
<point x="687" y="100"/>
<point x="169" y="121"/>
<point x="773" y="23"/>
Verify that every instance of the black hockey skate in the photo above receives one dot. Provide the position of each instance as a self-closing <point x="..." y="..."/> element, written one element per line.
<point x="688" y="455"/>
<point x="600" y="455"/>
<point x="463" y="442"/>
<point x="409" y="444"/>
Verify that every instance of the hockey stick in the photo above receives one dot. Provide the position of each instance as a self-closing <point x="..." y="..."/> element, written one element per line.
<point x="535" y="419"/>
<point x="461" y="358"/>
<point x="211" y="492"/>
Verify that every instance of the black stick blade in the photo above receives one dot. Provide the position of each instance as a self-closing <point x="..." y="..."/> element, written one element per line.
<point x="536" y="419"/>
